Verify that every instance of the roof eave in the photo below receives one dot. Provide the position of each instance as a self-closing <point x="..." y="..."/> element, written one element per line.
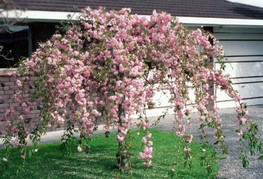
<point x="54" y="16"/>
<point x="208" y="21"/>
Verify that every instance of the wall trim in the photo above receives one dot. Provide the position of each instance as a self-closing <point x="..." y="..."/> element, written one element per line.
<point x="7" y="71"/>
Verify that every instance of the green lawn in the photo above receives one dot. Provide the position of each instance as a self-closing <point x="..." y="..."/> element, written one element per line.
<point x="48" y="162"/>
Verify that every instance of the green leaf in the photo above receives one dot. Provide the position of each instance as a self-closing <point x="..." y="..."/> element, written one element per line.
<point x="245" y="163"/>
<point x="261" y="157"/>
<point x="29" y="153"/>
<point x="144" y="30"/>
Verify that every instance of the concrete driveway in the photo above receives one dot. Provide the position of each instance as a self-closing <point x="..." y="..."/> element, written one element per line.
<point x="231" y="167"/>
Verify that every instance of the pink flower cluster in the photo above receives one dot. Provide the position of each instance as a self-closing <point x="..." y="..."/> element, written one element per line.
<point x="148" y="149"/>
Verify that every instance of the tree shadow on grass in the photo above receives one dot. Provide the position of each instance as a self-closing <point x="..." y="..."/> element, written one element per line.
<point x="49" y="163"/>
<point x="101" y="162"/>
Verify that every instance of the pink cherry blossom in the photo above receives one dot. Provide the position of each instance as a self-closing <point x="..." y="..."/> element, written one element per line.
<point x="144" y="140"/>
<point x="79" y="149"/>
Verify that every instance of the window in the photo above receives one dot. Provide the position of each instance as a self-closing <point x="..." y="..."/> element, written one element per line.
<point x="13" y="45"/>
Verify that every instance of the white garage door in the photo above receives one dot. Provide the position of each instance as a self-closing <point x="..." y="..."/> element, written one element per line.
<point x="244" y="50"/>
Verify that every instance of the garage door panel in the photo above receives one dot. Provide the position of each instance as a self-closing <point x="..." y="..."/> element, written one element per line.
<point x="243" y="69"/>
<point x="230" y="30"/>
<point x="227" y="36"/>
<point x="239" y="80"/>
<point x="231" y="104"/>
<point x="242" y="48"/>
<point x="250" y="90"/>
<point x="244" y="59"/>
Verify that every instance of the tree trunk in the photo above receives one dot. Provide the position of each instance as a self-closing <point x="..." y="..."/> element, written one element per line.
<point x="122" y="155"/>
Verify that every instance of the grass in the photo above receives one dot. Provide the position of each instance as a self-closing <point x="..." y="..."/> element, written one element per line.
<point x="48" y="162"/>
